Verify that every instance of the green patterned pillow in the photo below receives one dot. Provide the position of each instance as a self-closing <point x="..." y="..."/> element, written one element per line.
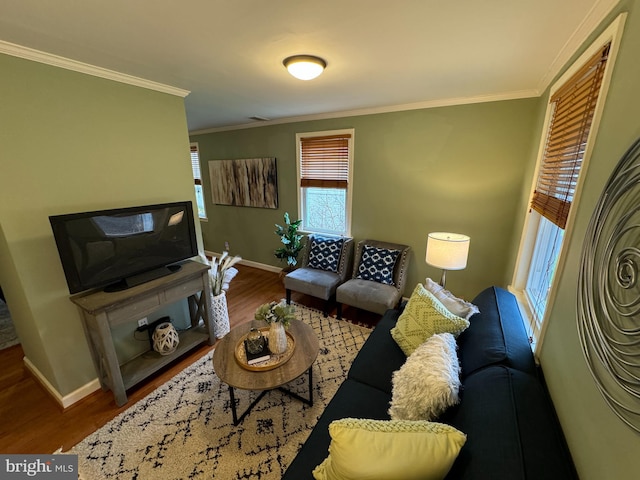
<point x="389" y="449"/>
<point x="424" y="316"/>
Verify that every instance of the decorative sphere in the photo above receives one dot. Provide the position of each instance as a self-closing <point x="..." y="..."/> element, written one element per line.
<point x="165" y="339"/>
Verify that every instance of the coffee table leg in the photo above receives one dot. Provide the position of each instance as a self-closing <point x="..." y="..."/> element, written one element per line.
<point x="234" y="413"/>
<point x="308" y="401"/>
<point x="233" y="406"/>
<point x="232" y="399"/>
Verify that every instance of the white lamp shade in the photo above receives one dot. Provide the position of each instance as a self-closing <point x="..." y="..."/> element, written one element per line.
<point x="304" y="67"/>
<point x="447" y="251"/>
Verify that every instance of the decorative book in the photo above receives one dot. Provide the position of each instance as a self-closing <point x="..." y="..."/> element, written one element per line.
<point x="253" y="358"/>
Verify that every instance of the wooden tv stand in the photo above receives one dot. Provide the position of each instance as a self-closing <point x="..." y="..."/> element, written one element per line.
<point x="102" y="310"/>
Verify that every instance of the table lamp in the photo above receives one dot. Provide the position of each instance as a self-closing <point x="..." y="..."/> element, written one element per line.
<point x="447" y="251"/>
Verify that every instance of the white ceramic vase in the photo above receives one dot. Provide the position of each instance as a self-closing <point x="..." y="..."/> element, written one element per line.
<point x="277" y="338"/>
<point x="220" y="314"/>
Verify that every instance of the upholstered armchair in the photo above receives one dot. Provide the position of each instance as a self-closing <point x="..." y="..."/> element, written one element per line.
<point x="378" y="279"/>
<point x="326" y="263"/>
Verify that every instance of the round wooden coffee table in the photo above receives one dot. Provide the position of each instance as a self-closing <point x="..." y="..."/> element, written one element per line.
<point x="226" y="366"/>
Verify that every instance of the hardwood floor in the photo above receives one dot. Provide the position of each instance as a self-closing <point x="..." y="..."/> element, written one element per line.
<point x="32" y="422"/>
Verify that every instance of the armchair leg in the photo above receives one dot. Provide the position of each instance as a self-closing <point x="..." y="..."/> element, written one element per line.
<point x="288" y="296"/>
<point x="326" y="309"/>
<point x="339" y="311"/>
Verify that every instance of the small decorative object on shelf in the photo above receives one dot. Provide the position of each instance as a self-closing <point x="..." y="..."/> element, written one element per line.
<point x="165" y="339"/>
<point x="278" y="316"/>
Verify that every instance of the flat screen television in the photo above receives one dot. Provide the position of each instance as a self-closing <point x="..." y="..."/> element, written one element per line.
<point x="124" y="247"/>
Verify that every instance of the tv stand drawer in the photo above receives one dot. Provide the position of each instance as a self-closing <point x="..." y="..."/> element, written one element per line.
<point x="140" y="307"/>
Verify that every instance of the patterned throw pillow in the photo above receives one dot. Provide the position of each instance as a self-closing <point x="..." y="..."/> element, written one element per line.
<point x="376" y="264"/>
<point x="325" y="253"/>
<point x="455" y="305"/>
<point x="384" y="449"/>
<point x="424" y="316"/>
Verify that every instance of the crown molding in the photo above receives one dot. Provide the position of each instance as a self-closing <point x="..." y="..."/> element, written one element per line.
<point x="449" y="102"/>
<point x="594" y="17"/>
<point x="68" y="64"/>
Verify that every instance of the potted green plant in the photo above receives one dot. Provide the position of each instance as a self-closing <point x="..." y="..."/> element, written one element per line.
<point x="291" y="241"/>
<point x="278" y="316"/>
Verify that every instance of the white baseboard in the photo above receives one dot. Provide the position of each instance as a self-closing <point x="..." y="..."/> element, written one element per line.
<point x="249" y="263"/>
<point x="67" y="400"/>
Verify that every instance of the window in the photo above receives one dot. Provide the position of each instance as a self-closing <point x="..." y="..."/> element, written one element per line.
<point x="197" y="179"/>
<point x="324" y="177"/>
<point x="572" y="117"/>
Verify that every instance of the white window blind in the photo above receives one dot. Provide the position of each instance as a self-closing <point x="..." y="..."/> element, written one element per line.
<point x="195" y="165"/>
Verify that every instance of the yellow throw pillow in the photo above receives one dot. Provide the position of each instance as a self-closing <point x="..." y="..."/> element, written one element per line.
<point x="389" y="450"/>
<point x="424" y="316"/>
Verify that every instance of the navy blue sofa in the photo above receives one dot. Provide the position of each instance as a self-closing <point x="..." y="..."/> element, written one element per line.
<point x="505" y="411"/>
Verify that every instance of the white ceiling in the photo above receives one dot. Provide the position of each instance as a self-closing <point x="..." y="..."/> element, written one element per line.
<point x="382" y="55"/>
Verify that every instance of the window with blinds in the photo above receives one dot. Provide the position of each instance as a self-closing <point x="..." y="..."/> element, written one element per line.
<point x="324" y="171"/>
<point x="324" y="161"/>
<point x="573" y="109"/>
<point x="197" y="180"/>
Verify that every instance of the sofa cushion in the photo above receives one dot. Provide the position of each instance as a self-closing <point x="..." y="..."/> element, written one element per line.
<point x="382" y="450"/>
<point x="353" y="399"/>
<point x="429" y="381"/>
<point x="511" y="428"/>
<point x="376" y="264"/>
<point x="380" y="355"/>
<point x="496" y="335"/>
<point x="424" y="316"/>
<point x="455" y="305"/>
<point x="324" y="253"/>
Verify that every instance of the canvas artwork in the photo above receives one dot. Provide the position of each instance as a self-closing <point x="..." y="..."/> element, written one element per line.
<point x="249" y="182"/>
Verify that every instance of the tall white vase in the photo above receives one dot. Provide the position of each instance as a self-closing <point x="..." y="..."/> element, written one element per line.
<point x="220" y="314"/>
<point x="277" y="338"/>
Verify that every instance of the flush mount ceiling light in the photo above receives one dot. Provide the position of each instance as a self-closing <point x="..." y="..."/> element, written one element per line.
<point x="304" y="67"/>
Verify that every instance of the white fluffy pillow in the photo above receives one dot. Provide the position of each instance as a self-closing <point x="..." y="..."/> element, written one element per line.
<point x="455" y="305"/>
<point x="428" y="382"/>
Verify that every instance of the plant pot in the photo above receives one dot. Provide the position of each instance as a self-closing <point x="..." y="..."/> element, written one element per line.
<point x="286" y="270"/>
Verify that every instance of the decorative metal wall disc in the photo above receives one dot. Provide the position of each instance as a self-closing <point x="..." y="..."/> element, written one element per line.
<point x="609" y="291"/>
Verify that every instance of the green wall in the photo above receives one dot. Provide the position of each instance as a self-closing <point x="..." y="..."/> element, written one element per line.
<point x="72" y="142"/>
<point x="456" y="169"/>
<point x="603" y="447"/>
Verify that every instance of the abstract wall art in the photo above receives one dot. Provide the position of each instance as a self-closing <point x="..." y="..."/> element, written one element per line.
<point x="248" y="182"/>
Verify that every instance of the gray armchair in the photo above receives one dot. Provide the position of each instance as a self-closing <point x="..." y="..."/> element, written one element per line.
<point x="326" y="263"/>
<point x="375" y="286"/>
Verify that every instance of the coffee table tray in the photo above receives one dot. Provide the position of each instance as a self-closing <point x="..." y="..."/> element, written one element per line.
<point x="273" y="362"/>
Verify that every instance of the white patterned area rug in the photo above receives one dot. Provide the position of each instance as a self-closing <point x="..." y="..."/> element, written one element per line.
<point x="8" y="337"/>
<point x="184" y="429"/>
